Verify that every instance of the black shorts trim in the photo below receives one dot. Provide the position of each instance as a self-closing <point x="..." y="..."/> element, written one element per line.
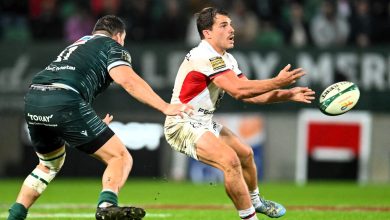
<point x="94" y="145"/>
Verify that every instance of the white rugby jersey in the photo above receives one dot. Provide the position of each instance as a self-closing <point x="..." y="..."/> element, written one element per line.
<point x="193" y="84"/>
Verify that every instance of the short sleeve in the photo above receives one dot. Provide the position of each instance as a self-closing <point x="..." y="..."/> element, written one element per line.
<point x="234" y="65"/>
<point x="117" y="56"/>
<point x="210" y="65"/>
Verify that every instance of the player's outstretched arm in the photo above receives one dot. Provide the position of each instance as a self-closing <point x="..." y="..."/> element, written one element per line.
<point x="139" y="89"/>
<point x="244" y="89"/>
<point x="296" y="94"/>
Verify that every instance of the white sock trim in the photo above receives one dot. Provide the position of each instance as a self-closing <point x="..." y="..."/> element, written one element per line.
<point x="105" y="205"/>
<point x="248" y="214"/>
<point x="254" y="192"/>
<point x="255" y="197"/>
<point x="109" y="190"/>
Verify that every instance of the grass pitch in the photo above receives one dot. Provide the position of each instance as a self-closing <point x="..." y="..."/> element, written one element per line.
<point x="76" y="199"/>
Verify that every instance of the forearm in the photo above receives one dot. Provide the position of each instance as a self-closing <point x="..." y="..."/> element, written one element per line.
<point x="244" y="89"/>
<point x="280" y="95"/>
<point x="137" y="87"/>
<point x="254" y="88"/>
<point x="141" y="91"/>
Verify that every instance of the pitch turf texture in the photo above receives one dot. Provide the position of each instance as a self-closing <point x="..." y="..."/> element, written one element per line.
<point x="75" y="199"/>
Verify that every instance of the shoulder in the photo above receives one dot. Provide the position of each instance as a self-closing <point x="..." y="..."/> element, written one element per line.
<point x="113" y="47"/>
<point x="106" y="42"/>
<point x="200" y="53"/>
<point x="230" y="57"/>
<point x="204" y="50"/>
<point x="204" y="60"/>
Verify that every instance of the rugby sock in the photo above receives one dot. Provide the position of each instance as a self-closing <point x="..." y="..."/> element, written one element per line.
<point x="107" y="198"/>
<point x="17" y="212"/>
<point x="255" y="198"/>
<point x="248" y="214"/>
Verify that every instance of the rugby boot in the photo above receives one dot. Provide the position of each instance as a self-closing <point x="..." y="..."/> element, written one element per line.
<point x="119" y="213"/>
<point x="270" y="208"/>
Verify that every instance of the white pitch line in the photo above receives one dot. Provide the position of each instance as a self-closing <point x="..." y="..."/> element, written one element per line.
<point x="88" y="215"/>
<point x="78" y="215"/>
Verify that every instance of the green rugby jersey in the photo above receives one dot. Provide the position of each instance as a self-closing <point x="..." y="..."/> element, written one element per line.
<point x="85" y="64"/>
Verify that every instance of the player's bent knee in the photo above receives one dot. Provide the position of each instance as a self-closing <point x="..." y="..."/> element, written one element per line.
<point x="128" y="160"/>
<point x="122" y="154"/>
<point x="231" y="163"/>
<point x="123" y="157"/>
<point x="126" y="155"/>
<point x="249" y="153"/>
<point x="246" y="155"/>
<point x="54" y="161"/>
<point x="39" y="179"/>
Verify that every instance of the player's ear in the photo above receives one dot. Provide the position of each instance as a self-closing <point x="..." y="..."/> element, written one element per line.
<point x="206" y="34"/>
<point x="115" y="37"/>
<point x="120" y="38"/>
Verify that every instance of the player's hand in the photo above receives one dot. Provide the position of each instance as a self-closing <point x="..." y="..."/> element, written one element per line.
<point x="302" y="94"/>
<point x="287" y="77"/>
<point x="178" y="109"/>
<point x="108" y="118"/>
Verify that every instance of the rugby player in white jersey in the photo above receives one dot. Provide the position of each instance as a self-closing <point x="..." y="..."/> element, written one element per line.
<point x="207" y="72"/>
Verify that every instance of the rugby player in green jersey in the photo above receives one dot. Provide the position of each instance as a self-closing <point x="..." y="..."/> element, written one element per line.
<point x="58" y="112"/>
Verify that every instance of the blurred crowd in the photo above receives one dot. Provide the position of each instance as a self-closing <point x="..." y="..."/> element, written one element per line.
<point x="296" y="23"/>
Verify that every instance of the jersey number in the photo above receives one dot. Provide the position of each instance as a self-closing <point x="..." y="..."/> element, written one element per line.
<point x="64" y="55"/>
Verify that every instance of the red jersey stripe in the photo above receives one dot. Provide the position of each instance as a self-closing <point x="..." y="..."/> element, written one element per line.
<point x="194" y="83"/>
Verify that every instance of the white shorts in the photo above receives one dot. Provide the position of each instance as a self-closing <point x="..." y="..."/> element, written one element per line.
<point x="182" y="135"/>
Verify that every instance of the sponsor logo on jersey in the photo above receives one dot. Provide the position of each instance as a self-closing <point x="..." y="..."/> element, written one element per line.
<point x="205" y="111"/>
<point x="57" y="68"/>
<point x="126" y="56"/>
<point x="217" y="63"/>
<point x="41" y="118"/>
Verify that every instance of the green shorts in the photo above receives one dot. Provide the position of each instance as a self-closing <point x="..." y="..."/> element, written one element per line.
<point x="56" y="116"/>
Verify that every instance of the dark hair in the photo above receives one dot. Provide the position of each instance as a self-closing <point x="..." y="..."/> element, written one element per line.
<point x="205" y="19"/>
<point x="111" y="24"/>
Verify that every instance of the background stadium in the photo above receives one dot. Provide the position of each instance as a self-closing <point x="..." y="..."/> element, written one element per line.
<point x="319" y="167"/>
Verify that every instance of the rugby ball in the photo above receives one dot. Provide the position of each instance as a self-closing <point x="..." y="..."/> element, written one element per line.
<point x="339" y="98"/>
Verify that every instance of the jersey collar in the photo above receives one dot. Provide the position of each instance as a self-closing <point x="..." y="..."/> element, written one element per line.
<point x="103" y="35"/>
<point x="207" y="45"/>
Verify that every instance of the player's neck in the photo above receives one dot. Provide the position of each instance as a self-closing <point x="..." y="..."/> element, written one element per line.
<point x="219" y="50"/>
<point x="105" y="33"/>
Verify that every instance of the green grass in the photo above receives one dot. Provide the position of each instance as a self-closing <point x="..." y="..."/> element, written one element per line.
<point x="76" y="198"/>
